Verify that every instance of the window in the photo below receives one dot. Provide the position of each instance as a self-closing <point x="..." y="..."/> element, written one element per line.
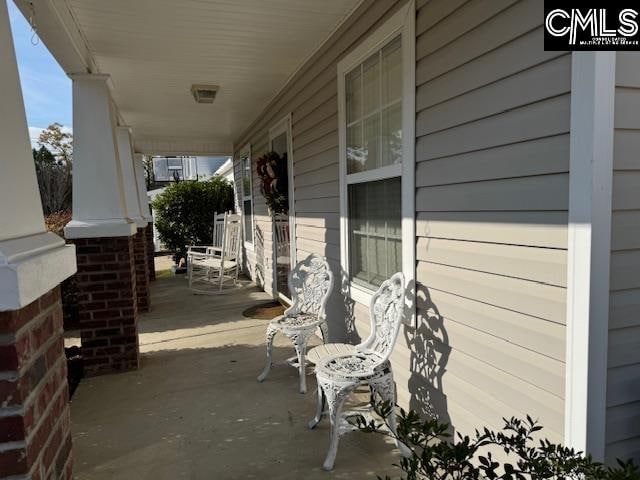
<point x="376" y="84"/>
<point x="247" y="195"/>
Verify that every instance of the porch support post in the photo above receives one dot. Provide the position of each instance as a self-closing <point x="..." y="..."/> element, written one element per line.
<point x="35" y="438"/>
<point x="132" y="199"/>
<point x="103" y="233"/>
<point x="589" y="249"/>
<point x="138" y="161"/>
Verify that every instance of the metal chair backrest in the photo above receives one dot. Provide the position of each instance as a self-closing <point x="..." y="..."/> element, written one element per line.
<point x="231" y="237"/>
<point x="310" y="283"/>
<point x="386" y="311"/>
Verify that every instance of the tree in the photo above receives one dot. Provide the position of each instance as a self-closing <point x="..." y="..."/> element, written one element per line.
<point x="184" y="212"/>
<point x="148" y="172"/>
<point x="54" y="181"/>
<point x="58" y="142"/>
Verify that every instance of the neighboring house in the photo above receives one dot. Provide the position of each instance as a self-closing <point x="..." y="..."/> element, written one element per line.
<point x="177" y="168"/>
<point x="436" y="137"/>
<point x="169" y="169"/>
<point x="226" y="170"/>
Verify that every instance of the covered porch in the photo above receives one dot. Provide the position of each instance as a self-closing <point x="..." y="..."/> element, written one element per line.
<point x="195" y="410"/>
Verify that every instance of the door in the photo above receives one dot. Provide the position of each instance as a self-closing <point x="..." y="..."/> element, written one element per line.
<point x="284" y="221"/>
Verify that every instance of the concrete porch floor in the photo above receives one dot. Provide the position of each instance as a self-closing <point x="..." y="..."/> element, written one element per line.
<point x="194" y="409"/>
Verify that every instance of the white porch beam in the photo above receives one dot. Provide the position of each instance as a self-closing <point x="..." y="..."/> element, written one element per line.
<point x="138" y="163"/>
<point x="184" y="146"/>
<point x="125" y="155"/>
<point x="589" y="249"/>
<point x="58" y="29"/>
<point x="99" y="204"/>
<point x="32" y="260"/>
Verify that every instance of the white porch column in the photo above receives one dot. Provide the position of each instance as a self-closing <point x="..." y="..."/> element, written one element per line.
<point x="589" y="249"/>
<point x="99" y="205"/>
<point x="125" y="154"/>
<point x="32" y="261"/>
<point x="32" y="265"/>
<point x="103" y="233"/>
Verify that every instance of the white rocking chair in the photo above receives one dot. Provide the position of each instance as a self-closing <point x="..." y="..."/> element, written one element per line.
<point x="341" y="374"/>
<point x="194" y="251"/>
<point x="218" y="266"/>
<point x="310" y="284"/>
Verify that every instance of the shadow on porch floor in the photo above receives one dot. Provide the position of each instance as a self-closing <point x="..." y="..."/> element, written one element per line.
<point x="194" y="409"/>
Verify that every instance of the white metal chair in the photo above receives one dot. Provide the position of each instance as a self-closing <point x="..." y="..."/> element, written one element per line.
<point x="310" y="284"/>
<point x="341" y="374"/>
<point x="210" y="271"/>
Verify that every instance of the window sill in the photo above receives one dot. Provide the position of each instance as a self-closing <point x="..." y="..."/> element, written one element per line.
<point x="360" y="294"/>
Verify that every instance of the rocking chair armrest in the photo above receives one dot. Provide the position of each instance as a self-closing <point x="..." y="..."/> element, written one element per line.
<point x="191" y="247"/>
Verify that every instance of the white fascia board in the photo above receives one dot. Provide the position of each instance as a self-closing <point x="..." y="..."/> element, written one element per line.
<point x="58" y="30"/>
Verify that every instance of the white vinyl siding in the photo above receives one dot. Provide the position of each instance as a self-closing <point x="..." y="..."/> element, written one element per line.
<point x="492" y="159"/>
<point x="623" y="377"/>
<point x="311" y="98"/>
<point x="491" y="197"/>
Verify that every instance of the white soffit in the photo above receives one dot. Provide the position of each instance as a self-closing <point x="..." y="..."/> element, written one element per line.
<point x="155" y="50"/>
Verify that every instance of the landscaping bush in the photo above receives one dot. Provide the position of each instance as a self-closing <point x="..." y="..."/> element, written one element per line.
<point x="434" y="458"/>
<point x="55" y="223"/>
<point x="184" y="212"/>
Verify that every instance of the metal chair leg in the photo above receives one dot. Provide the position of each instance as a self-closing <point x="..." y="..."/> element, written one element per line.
<point x="271" y="333"/>
<point x="319" y="409"/>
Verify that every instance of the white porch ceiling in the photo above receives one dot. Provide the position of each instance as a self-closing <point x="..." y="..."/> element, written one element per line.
<point x="155" y="50"/>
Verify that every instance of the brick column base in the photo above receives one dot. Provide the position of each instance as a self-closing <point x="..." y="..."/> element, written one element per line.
<point x="142" y="270"/>
<point x="151" y="250"/>
<point x="107" y="304"/>
<point x="35" y="430"/>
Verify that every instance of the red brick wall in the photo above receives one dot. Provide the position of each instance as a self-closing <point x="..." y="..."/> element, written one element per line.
<point x="151" y="251"/>
<point x="35" y="431"/>
<point x="107" y="304"/>
<point x="142" y="270"/>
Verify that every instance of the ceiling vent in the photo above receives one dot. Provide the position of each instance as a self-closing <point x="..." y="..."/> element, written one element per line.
<point x="204" y="93"/>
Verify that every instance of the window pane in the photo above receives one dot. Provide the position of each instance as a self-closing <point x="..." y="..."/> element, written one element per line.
<point x="246" y="176"/>
<point x="371" y="139"/>
<point x="371" y="84"/>
<point x="353" y="89"/>
<point x="356" y="156"/>
<point x="279" y="145"/>
<point x="375" y="239"/>
<point x="392" y="72"/>
<point x="392" y="135"/>
<point x="246" y="210"/>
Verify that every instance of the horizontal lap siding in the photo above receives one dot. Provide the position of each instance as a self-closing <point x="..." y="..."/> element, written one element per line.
<point x="623" y="394"/>
<point x="312" y="99"/>
<point x="492" y="159"/>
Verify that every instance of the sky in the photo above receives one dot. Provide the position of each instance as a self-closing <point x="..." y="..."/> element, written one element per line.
<point x="45" y="87"/>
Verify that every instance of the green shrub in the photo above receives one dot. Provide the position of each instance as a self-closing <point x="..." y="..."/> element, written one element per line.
<point x="434" y="458"/>
<point x="184" y="212"/>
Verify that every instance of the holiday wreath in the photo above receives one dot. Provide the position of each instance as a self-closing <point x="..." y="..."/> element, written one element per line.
<point x="274" y="183"/>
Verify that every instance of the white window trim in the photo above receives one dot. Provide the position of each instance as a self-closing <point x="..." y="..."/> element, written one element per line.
<point x="284" y="126"/>
<point x="246" y="151"/>
<point x="402" y="22"/>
